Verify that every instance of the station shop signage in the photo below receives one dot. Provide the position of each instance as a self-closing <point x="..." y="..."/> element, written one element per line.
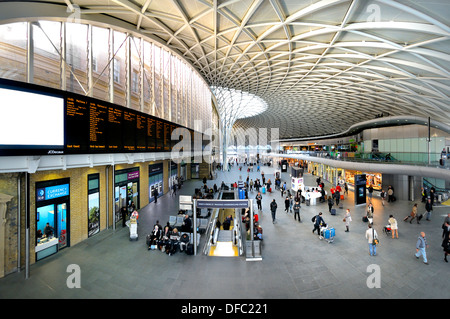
<point x="52" y="192"/>
<point x="224" y="203"/>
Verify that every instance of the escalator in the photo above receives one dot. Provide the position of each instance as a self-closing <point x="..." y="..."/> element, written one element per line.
<point x="225" y="240"/>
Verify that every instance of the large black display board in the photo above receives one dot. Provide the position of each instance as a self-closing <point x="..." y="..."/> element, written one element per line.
<point x="360" y="189"/>
<point x="95" y="126"/>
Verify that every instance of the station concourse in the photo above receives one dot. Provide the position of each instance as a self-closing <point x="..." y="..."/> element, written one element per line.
<point x="108" y="107"/>
<point x="296" y="263"/>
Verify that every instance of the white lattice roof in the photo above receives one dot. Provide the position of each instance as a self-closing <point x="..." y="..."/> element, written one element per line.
<point x="320" y="66"/>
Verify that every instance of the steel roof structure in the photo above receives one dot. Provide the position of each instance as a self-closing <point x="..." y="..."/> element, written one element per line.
<point x="321" y="66"/>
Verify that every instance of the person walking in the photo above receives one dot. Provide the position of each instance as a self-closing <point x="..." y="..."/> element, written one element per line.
<point x="371" y="236"/>
<point x="318" y="221"/>
<point x="370" y="213"/>
<point x="273" y="209"/>
<point x="412" y="215"/>
<point x="446" y="220"/>
<point x="291" y="203"/>
<point x="330" y="203"/>
<point x="421" y="247"/>
<point x="446" y="240"/>
<point x="258" y="201"/>
<point x="297" y="211"/>
<point x="428" y="209"/>
<point x="383" y="196"/>
<point x="390" y="193"/>
<point x="347" y="220"/>
<point x="370" y="193"/>
<point x="424" y="195"/>
<point x="286" y="204"/>
<point x="394" y="226"/>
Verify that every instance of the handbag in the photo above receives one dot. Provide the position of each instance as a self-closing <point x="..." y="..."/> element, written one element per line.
<point x="375" y="241"/>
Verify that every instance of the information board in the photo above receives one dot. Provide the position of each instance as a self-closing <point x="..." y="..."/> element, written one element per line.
<point x="85" y="124"/>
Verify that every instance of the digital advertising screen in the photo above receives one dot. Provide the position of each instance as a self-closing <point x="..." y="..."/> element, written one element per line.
<point x="30" y="121"/>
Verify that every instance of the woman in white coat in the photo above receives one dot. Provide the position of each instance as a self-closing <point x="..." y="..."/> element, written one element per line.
<point x="347" y="220"/>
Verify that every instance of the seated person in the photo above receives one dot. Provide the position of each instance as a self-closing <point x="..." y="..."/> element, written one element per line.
<point x="257" y="234"/>
<point x="165" y="238"/>
<point x="184" y="241"/>
<point x="155" y="236"/>
<point x="174" y="243"/>
<point x="48" y="230"/>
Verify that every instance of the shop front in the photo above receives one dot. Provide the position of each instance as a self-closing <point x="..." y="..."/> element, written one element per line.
<point x="52" y="213"/>
<point x="374" y="179"/>
<point x="155" y="181"/>
<point x="126" y="184"/>
<point x="173" y="177"/>
<point x="195" y="170"/>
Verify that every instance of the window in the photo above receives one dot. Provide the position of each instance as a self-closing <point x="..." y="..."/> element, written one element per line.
<point x="135" y="82"/>
<point x="116" y="70"/>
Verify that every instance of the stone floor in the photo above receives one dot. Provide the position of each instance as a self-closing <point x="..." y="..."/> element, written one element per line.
<point x="296" y="264"/>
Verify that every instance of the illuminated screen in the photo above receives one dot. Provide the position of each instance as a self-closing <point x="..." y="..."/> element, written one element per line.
<point x="29" y="119"/>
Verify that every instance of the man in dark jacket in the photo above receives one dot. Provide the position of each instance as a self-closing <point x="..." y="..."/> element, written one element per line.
<point x="187" y="224"/>
<point x="273" y="209"/>
<point x="428" y="208"/>
<point x="297" y="211"/>
<point x="318" y="220"/>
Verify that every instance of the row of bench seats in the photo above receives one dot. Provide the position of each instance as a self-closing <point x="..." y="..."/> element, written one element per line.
<point x="177" y="221"/>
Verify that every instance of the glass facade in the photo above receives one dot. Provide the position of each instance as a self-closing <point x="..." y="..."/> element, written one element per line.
<point x="122" y="68"/>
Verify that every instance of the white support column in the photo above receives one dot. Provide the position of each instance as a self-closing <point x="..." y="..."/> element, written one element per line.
<point x="128" y="70"/>
<point x="30" y="53"/>
<point x="141" y="75"/>
<point x="111" y="66"/>
<point x="63" y="57"/>
<point x="90" y="59"/>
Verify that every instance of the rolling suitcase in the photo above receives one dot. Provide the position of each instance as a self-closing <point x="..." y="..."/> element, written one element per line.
<point x="329" y="233"/>
<point x="264" y="190"/>
<point x="333" y="211"/>
<point x="190" y="249"/>
<point x="342" y="197"/>
<point x="341" y="205"/>
<point x="308" y="202"/>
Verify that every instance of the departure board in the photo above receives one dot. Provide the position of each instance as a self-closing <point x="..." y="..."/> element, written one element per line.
<point x="151" y="134"/>
<point x="114" y="128"/>
<point x="93" y="126"/>
<point x="167" y="132"/>
<point x="77" y="122"/>
<point x="98" y="124"/>
<point x="129" y="130"/>
<point x="159" y="133"/>
<point x="141" y="132"/>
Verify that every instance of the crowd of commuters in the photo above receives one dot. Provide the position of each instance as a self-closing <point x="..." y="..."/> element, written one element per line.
<point x="170" y="241"/>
